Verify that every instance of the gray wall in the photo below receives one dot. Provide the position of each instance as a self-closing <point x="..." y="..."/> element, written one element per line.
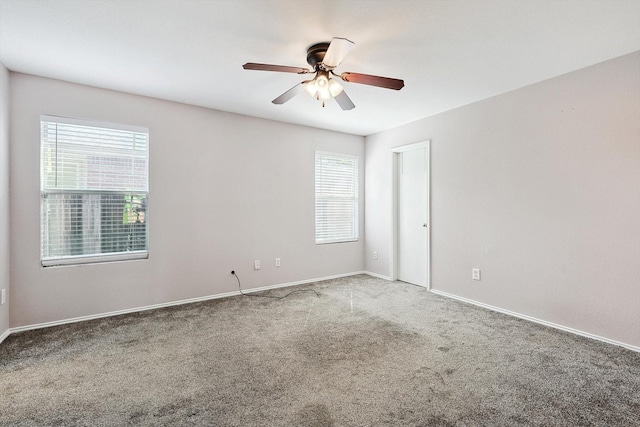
<point x="225" y="190"/>
<point x="4" y="196"/>
<point x="540" y="188"/>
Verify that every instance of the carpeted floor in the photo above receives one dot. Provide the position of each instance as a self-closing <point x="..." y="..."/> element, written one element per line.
<point x="366" y="352"/>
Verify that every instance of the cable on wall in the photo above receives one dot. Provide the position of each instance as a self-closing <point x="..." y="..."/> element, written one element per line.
<point x="270" y="296"/>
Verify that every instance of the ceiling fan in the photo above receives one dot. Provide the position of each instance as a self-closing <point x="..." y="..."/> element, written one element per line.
<point x="324" y="58"/>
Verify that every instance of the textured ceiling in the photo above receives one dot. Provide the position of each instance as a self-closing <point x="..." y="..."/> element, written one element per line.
<point x="449" y="53"/>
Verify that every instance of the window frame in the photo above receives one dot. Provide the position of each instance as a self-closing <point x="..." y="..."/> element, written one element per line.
<point x="355" y="197"/>
<point x="96" y="258"/>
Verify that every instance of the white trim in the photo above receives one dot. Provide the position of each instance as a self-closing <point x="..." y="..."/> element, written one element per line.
<point x="333" y="153"/>
<point x="172" y="303"/>
<point x="94" y="259"/>
<point x="93" y="123"/>
<point x="379" y="276"/>
<point x="393" y="217"/>
<point x="393" y="260"/>
<point x="299" y="282"/>
<point x="535" y="320"/>
<point x="330" y="242"/>
<point x="409" y="147"/>
<point x="5" y="335"/>
<point x="119" y="312"/>
<point x="302" y="282"/>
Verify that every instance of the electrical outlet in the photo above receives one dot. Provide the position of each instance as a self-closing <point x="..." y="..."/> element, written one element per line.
<point x="4" y="296"/>
<point x="256" y="264"/>
<point x="277" y="262"/>
<point x="475" y="273"/>
<point x="375" y="255"/>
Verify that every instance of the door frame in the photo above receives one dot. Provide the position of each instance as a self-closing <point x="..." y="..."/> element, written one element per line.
<point x="394" y="207"/>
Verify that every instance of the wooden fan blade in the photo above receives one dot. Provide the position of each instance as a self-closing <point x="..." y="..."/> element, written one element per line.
<point x="288" y="94"/>
<point x="367" y="79"/>
<point x="269" y="67"/>
<point x="344" y="101"/>
<point x="336" y="52"/>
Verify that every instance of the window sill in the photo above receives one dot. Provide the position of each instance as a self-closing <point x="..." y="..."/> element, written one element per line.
<point x="94" y="259"/>
<point x="329" y="242"/>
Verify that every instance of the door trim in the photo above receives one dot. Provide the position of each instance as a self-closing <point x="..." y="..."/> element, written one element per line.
<point x="394" y="207"/>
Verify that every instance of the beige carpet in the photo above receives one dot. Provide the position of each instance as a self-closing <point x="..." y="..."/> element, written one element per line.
<point x="366" y="352"/>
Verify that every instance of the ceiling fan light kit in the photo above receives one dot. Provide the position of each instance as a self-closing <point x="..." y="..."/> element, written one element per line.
<point x="324" y="58"/>
<point x="322" y="87"/>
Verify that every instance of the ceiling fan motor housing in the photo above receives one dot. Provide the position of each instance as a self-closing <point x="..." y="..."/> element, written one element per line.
<point x="316" y="53"/>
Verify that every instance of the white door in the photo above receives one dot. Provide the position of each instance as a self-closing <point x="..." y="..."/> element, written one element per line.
<point x="412" y="216"/>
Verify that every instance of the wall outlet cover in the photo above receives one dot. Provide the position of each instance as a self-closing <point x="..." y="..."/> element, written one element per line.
<point x="475" y="273"/>
<point x="256" y="264"/>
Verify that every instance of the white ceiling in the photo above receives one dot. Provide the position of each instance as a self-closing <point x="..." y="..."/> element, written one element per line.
<point x="449" y="53"/>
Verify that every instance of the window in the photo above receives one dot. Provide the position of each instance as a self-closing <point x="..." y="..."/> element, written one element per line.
<point x="93" y="191"/>
<point x="336" y="198"/>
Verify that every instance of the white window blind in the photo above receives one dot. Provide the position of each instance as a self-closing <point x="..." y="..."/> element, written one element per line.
<point x="94" y="191"/>
<point x="336" y="198"/>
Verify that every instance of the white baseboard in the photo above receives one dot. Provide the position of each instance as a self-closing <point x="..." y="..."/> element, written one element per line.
<point x="301" y="282"/>
<point x="379" y="276"/>
<point x="304" y="282"/>
<point x="169" y="304"/>
<point x="535" y="320"/>
<point x="5" y="335"/>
